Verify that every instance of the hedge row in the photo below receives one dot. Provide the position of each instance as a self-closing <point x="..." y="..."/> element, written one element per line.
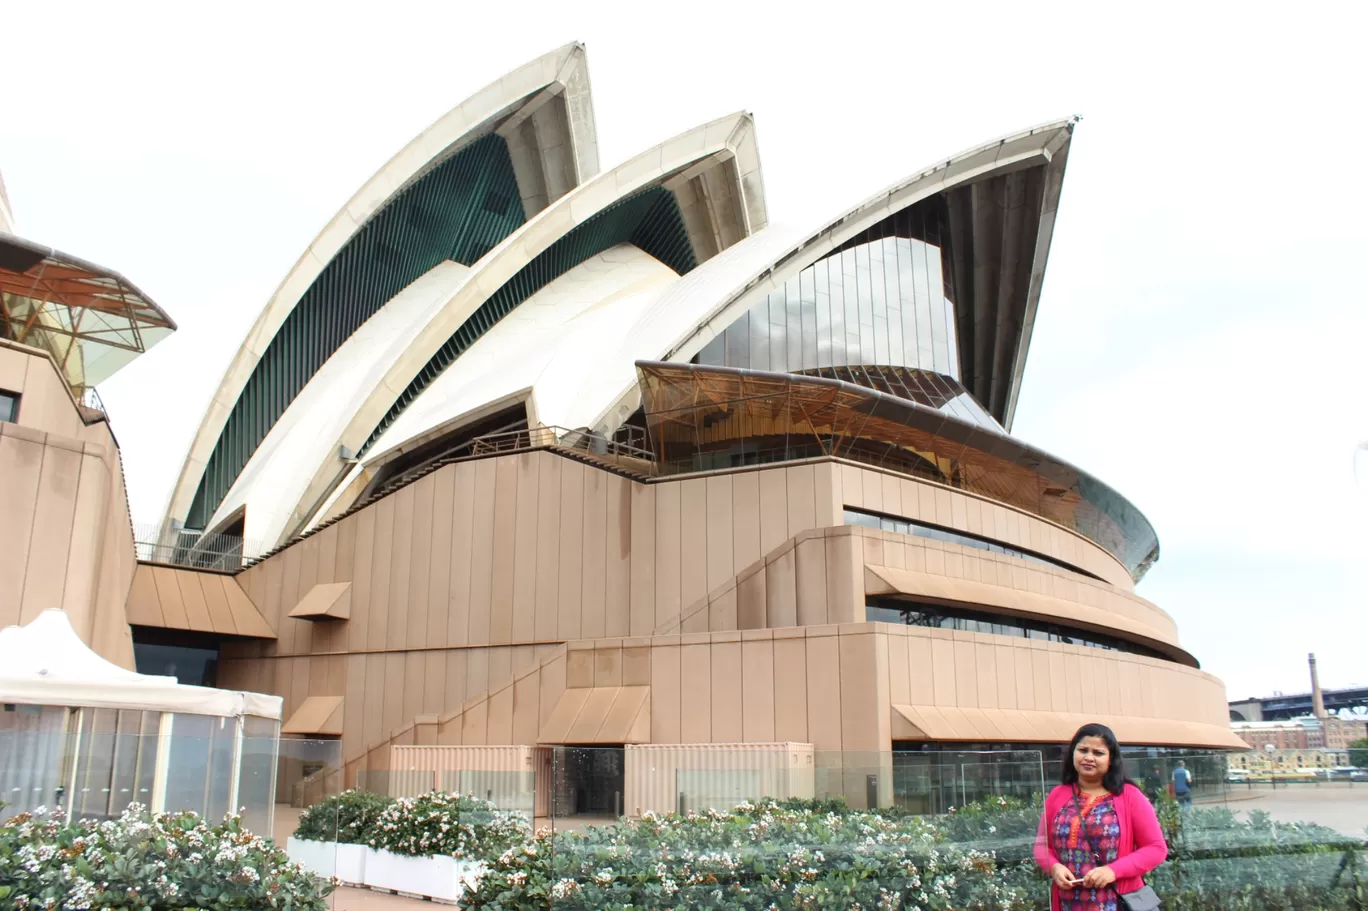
<point x="435" y="823"/>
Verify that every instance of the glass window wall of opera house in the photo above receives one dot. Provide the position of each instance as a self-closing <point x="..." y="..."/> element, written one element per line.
<point x="878" y="303"/>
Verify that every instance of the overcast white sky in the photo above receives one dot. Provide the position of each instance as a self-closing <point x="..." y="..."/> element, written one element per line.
<point x="1203" y="329"/>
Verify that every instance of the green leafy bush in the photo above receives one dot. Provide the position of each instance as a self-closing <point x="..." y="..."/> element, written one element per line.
<point x="758" y="856"/>
<point x="1358" y="753"/>
<point x="992" y="819"/>
<point x="349" y="818"/>
<point x="457" y="825"/>
<point x="164" y="862"/>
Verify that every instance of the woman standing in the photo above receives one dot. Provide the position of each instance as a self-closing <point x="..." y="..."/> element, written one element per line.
<point x="1099" y="835"/>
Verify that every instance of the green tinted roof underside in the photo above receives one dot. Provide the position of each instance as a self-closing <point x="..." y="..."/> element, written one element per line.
<point x="458" y="211"/>
<point x="649" y="220"/>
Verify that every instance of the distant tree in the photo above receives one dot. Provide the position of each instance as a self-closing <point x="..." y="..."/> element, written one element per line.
<point x="1358" y="753"/>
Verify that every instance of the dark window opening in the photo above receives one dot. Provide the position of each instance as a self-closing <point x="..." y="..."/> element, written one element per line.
<point x="589" y="781"/>
<point x="938" y="616"/>
<point x="937" y="533"/>
<point x="236" y="528"/>
<point x="9" y="406"/>
<point x="189" y="657"/>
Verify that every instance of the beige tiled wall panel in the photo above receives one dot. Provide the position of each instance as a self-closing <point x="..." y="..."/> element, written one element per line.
<point x="465" y="584"/>
<point x="536" y="548"/>
<point x="814" y="578"/>
<point x="835" y="686"/>
<point x="862" y="487"/>
<point x="970" y="670"/>
<point x="707" y="688"/>
<point x="65" y="537"/>
<point x="955" y="561"/>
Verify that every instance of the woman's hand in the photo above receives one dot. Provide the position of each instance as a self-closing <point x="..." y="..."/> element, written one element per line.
<point x="1099" y="877"/>
<point x="1063" y="877"/>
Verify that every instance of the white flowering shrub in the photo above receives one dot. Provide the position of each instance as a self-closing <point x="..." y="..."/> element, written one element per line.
<point x="162" y="862"/>
<point x="457" y="825"/>
<point x="349" y="818"/>
<point x="756" y="857"/>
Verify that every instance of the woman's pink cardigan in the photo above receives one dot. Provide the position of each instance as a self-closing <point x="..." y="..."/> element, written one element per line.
<point x="1142" y="845"/>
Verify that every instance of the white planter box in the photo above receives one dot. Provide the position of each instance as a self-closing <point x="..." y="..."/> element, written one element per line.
<point x="329" y="858"/>
<point x="443" y="878"/>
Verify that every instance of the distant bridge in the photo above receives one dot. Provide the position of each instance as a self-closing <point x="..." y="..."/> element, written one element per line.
<point x="1280" y="707"/>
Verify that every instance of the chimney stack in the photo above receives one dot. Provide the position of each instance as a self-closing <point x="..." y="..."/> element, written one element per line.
<point x="1317" y="697"/>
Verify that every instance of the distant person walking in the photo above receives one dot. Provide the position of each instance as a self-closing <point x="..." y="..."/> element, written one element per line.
<point x="1154" y="784"/>
<point x="1099" y="835"/>
<point x="1182" y="785"/>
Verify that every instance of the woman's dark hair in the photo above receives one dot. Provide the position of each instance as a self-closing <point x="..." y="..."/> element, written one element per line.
<point x="1115" y="779"/>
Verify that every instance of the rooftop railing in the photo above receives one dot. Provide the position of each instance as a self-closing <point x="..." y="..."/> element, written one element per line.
<point x="225" y="553"/>
<point x="629" y="443"/>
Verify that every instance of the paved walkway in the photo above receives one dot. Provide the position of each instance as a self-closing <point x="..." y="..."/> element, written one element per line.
<point x="349" y="899"/>
<point x="1339" y="806"/>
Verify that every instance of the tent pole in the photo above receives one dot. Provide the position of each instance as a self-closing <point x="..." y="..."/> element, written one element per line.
<point x="75" y="764"/>
<point x="233" y="789"/>
<point x="275" y="763"/>
<point x="164" y="731"/>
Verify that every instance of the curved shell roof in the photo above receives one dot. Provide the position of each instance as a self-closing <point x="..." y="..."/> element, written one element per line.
<point x="390" y="362"/>
<point x="551" y="92"/>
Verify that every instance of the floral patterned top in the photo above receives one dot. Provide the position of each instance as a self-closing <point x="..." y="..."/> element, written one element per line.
<point x="1087" y="834"/>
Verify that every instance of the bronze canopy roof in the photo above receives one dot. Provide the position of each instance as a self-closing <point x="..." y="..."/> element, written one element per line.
<point x="91" y="320"/>
<point x="710" y="417"/>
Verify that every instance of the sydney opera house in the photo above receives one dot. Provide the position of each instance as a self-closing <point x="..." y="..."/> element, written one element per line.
<point x="526" y="451"/>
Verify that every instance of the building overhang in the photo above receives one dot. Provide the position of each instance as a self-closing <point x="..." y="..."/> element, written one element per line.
<point x="600" y="714"/>
<point x="317" y="716"/>
<point x="924" y="587"/>
<point x="167" y="597"/>
<point x="944" y="723"/>
<point x="325" y="601"/>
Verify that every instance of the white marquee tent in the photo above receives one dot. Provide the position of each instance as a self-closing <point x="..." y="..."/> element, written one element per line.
<point x="90" y="736"/>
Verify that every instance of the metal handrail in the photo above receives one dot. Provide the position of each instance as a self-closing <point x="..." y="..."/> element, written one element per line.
<point x="561" y="438"/>
<point x="192" y="549"/>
